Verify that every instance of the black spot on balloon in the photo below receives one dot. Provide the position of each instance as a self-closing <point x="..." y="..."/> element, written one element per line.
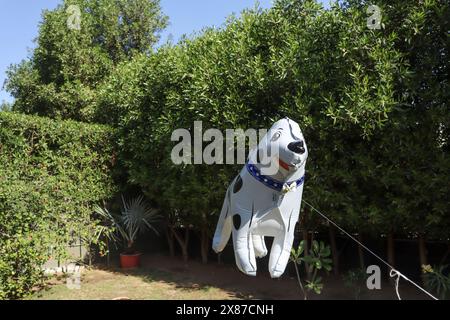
<point x="237" y="221"/>
<point x="237" y="184"/>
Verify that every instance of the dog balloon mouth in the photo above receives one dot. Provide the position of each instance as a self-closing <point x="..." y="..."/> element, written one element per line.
<point x="289" y="166"/>
<point x="285" y="166"/>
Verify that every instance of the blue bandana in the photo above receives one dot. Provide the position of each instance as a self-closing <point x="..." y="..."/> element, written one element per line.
<point x="268" y="181"/>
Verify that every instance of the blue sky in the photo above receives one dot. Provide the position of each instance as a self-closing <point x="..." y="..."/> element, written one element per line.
<point x="19" y="20"/>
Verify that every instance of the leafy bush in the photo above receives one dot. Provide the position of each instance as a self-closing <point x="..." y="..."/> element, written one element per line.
<point x="355" y="279"/>
<point x="317" y="259"/>
<point x="323" y="68"/>
<point x="51" y="174"/>
<point x="356" y="93"/>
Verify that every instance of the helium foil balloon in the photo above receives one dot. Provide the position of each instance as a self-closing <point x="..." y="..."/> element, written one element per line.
<point x="264" y="200"/>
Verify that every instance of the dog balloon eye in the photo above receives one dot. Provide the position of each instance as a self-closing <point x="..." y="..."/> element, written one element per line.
<point x="276" y="136"/>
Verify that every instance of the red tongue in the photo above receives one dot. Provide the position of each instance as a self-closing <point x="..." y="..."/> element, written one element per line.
<point x="283" y="164"/>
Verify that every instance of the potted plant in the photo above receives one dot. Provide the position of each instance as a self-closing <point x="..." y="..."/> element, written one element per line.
<point x="136" y="216"/>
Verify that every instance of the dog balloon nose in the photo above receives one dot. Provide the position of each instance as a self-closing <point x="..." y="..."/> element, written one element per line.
<point x="297" y="147"/>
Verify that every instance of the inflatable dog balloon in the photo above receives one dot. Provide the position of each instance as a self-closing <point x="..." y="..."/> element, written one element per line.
<point x="264" y="200"/>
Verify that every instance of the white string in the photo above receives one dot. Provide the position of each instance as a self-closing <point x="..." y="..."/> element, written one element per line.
<point x="393" y="272"/>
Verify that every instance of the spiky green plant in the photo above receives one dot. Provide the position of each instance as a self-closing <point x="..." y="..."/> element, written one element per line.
<point x="437" y="281"/>
<point x="136" y="216"/>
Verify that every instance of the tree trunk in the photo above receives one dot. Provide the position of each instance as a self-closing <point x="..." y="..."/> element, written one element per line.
<point x="391" y="251"/>
<point x="306" y="251"/>
<point x="183" y="242"/>
<point x="422" y="254"/>
<point x="170" y="242"/>
<point x="204" y="246"/>
<point x="108" y="253"/>
<point x="334" y="251"/>
<point x="185" y="246"/>
<point x="362" y="265"/>
<point x="90" y="256"/>
<point x="444" y="258"/>
<point x="185" y="254"/>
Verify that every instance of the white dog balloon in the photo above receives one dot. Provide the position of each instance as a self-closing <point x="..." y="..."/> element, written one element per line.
<point x="263" y="201"/>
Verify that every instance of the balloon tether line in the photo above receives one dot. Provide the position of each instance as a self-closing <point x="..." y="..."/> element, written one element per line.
<point x="393" y="272"/>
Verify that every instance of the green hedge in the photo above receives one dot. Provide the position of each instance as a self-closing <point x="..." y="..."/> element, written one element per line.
<point x="51" y="173"/>
<point x="369" y="105"/>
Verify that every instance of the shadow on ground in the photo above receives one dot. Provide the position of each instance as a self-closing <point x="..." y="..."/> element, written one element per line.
<point x="193" y="275"/>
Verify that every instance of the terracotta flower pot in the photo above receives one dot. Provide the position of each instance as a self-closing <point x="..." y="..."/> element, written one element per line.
<point x="128" y="261"/>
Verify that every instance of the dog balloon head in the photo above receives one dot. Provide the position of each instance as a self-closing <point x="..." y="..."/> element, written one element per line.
<point x="282" y="152"/>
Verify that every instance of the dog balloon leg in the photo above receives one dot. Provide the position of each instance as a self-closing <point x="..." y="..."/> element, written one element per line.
<point x="243" y="243"/>
<point x="259" y="245"/>
<point x="223" y="229"/>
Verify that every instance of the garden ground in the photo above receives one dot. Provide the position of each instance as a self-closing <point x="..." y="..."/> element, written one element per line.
<point x="163" y="277"/>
